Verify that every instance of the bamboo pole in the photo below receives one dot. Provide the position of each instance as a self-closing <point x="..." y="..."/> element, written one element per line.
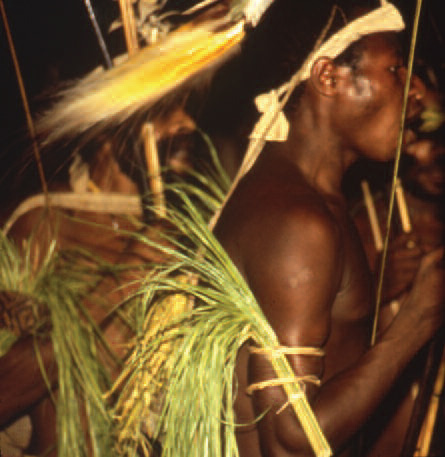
<point x="426" y="433"/>
<point x="154" y="169"/>
<point x="402" y="207"/>
<point x="372" y="215"/>
<point x="129" y="25"/>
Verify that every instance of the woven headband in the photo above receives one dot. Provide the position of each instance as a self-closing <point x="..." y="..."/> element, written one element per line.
<point x="273" y="125"/>
<point x="386" y="18"/>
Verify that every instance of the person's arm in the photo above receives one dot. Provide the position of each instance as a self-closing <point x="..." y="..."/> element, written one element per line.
<point x="402" y="262"/>
<point x="21" y="381"/>
<point x="296" y="278"/>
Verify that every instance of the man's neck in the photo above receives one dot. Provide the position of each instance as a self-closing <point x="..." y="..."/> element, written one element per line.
<point x="316" y="149"/>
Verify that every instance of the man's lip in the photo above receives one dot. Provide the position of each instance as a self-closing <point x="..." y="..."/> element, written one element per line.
<point x="409" y="137"/>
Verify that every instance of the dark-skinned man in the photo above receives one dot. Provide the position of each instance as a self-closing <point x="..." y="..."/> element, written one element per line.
<point x="287" y="229"/>
<point x="394" y="428"/>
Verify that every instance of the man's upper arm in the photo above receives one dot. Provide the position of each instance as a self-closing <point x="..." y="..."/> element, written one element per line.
<point x="294" y="272"/>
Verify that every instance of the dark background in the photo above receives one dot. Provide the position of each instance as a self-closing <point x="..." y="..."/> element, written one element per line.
<point x="55" y="42"/>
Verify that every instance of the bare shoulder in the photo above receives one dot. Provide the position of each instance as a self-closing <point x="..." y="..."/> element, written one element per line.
<point x="287" y="244"/>
<point x="299" y="233"/>
<point x="273" y="219"/>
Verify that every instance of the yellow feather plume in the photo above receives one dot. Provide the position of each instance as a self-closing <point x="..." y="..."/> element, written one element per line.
<point x="112" y="96"/>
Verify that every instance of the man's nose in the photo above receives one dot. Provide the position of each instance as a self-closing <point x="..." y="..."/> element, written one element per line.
<point x="417" y="88"/>
<point x="416" y="93"/>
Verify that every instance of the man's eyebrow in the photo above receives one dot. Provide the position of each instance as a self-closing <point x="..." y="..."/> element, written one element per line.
<point x="398" y="54"/>
<point x="400" y="57"/>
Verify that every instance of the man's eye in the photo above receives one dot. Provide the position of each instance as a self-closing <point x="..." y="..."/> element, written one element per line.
<point x="395" y="68"/>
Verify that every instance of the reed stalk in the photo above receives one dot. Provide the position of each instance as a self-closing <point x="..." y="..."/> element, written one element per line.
<point x="28" y="115"/>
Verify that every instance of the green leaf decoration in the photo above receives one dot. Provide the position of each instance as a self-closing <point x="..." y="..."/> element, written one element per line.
<point x="176" y="391"/>
<point x="61" y="282"/>
<point x="7" y="339"/>
<point x="432" y="119"/>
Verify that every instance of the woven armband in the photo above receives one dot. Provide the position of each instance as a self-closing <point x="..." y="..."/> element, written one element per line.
<point x="277" y="352"/>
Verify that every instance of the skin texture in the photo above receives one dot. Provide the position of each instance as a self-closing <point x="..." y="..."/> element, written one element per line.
<point x="423" y="183"/>
<point x="96" y="233"/>
<point x="93" y="232"/>
<point x="287" y="229"/>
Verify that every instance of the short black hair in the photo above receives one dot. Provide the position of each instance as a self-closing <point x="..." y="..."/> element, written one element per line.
<point x="352" y="55"/>
<point x="270" y="54"/>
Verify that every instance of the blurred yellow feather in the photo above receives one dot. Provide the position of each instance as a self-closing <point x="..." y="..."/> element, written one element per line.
<point x="111" y="97"/>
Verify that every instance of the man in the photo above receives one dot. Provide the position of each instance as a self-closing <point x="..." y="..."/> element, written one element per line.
<point x="23" y="389"/>
<point x="287" y="229"/>
<point x="423" y="181"/>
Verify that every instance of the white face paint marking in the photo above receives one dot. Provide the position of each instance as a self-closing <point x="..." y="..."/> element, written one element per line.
<point x="301" y="277"/>
<point x="364" y="88"/>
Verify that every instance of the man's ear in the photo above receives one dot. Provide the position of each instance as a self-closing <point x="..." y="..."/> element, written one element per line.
<point x="323" y="76"/>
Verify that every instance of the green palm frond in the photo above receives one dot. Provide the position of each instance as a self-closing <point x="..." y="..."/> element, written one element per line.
<point x="432" y="119"/>
<point x="7" y="339"/>
<point x="206" y="187"/>
<point x="57" y="286"/>
<point x="178" y="385"/>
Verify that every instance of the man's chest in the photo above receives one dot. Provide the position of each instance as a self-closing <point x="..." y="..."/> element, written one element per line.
<point x="355" y="297"/>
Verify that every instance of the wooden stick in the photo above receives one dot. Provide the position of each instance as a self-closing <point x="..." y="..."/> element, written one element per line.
<point x="402" y="207"/>
<point x="129" y="25"/>
<point x="434" y="354"/>
<point x="153" y="168"/>
<point x="426" y="434"/>
<point x="372" y="215"/>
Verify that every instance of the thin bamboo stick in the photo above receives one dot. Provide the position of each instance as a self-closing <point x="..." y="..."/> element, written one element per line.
<point x="396" y="168"/>
<point x="129" y="25"/>
<point x="402" y="207"/>
<point x="154" y="169"/>
<point x="372" y="215"/>
<point x="98" y="33"/>
<point x="426" y="434"/>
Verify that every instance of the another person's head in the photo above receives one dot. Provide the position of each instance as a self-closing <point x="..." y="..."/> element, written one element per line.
<point x="424" y="170"/>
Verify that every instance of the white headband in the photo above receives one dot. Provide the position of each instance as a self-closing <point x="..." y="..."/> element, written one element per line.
<point x="386" y="18"/>
<point x="273" y="125"/>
